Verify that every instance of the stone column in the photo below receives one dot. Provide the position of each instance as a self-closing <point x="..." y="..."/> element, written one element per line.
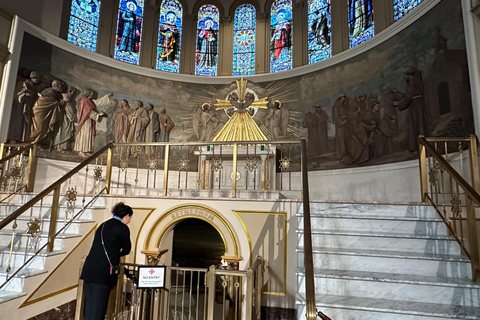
<point x="225" y="48"/>
<point x="262" y="62"/>
<point x="340" y="41"/>
<point x="300" y="34"/>
<point x="382" y="15"/>
<point x="188" y="43"/>
<point x="149" y="40"/>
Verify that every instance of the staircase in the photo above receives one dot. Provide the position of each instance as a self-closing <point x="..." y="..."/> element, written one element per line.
<point x="23" y="242"/>
<point x="382" y="262"/>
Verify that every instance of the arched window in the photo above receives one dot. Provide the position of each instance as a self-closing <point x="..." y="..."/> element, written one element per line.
<point x="83" y="25"/>
<point x="129" y="31"/>
<point x="244" y="40"/>
<point x="360" y="21"/>
<point x="402" y="7"/>
<point x="281" y="35"/>
<point x="319" y="30"/>
<point x="169" y="36"/>
<point x="207" y="41"/>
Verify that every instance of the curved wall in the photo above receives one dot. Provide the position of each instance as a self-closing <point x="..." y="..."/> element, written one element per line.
<point x="431" y="40"/>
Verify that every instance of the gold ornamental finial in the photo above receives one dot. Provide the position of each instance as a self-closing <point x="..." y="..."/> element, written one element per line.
<point x="241" y="88"/>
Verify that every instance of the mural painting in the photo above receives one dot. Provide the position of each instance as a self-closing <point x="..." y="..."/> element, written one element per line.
<point x="366" y="110"/>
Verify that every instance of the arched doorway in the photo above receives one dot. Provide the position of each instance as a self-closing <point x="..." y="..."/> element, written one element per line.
<point x="196" y="243"/>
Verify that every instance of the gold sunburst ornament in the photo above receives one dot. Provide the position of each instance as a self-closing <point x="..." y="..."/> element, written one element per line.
<point x="97" y="173"/>
<point x="33" y="227"/>
<point x="183" y="163"/>
<point x="151" y="164"/>
<point x="456" y="205"/>
<point x="123" y="163"/>
<point x="217" y="164"/>
<point x="251" y="164"/>
<point x="285" y="164"/>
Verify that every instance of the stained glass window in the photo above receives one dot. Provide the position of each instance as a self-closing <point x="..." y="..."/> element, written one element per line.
<point x="83" y="25"/>
<point x="244" y="40"/>
<point x="169" y="36"/>
<point x="360" y="21"/>
<point x="129" y="31"/>
<point x="402" y="7"/>
<point x="281" y="35"/>
<point x="319" y="30"/>
<point x="207" y="41"/>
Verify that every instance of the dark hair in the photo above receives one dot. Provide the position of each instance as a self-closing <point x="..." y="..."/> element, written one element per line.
<point x="121" y="210"/>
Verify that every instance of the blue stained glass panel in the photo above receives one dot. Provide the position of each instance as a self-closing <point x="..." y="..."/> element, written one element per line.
<point x="402" y="7"/>
<point x="169" y="36"/>
<point x="129" y="31"/>
<point x="360" y="21"/>
<point x="281" y="35"/>
<point x="206" y="53"/>
<point x="319" y="30"/>
<point x="244" y="40"/>
<point x="83" y="25"/>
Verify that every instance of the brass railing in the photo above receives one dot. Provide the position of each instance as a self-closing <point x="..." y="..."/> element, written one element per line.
<point x="443" y="181"/>
<point x="189" y="293"/>
<point x="17" y="169"/>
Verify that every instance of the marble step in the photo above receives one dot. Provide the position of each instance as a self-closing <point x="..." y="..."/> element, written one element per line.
<point x="380" y="210"/>
<point x="16" y="283"/>
<point x="18" y="257"/>
<point x="10" y="295"/>
<point x="73" y="227"/>
<point x="359" y="308"/>
<point x="382" y="241"/>
<point x="455" y="266"/>
<point x="44" y="211"/>
<point x="365" y="223"/>
<point x="378" y="285"/>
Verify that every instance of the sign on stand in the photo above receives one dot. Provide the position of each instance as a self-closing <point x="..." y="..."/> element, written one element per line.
<point x="151" y="277"/>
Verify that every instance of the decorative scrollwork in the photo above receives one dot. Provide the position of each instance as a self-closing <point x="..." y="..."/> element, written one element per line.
<point x="456" y="205"/>
<point x="432" y="175"/>
<point x="183" y="163"/>
<point x="216" y="164"/>
<point x="285" y="164"/>
<point x="97" y="173"/>
<point x="33" y="227"/>
<point x="71" y="196"/>
<point x="152" y="164"/>
<point x="251" y="164"/>
<point x="123" y="163"/>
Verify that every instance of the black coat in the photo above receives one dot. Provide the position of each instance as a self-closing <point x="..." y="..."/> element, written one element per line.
<point x="116" y="237"/>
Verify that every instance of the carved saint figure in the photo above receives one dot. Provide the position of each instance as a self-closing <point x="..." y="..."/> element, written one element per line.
<point x="317" y="126"/>
<point x="358" y="149"/>
<point x="66" y="132"/>
<point x="339" y="114"/>
<point x="152" y="129"/>
<point x="277" y="120"/>
<point x="139" y="121"/>
<point x="122" y="126"/>
<point x="204" y="122"/>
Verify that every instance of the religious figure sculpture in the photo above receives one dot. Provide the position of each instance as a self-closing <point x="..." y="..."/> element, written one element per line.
<point x="152" y="129"/>
<point x="88" y="116"/>
<point x="21" y="116"/>
<point x="128" y="36"/>
<point x="413" y="101"/>
<point x="317" y="126"/>
<point x="207" y="46"/>
<point x="46" y="113"/>
<point x="342" y="132"/>
<point x="358" y="148"/>
<point x="122" y="125"/>
<point x="139" y="121"/>
<point x="169" y="38"/>
<point x="166" y="125"/>
<point x="280" y="41"/>
<point x="204" y="122"/>
<point x="66" y="133"/>
<point x="355" y="109"/>
<point x="277" y="120"/>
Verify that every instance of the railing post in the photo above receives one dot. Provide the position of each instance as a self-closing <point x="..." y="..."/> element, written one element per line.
<point x="211" y="292"/>
<point x="80" y="296"/>
<point x="249" y="297"/>
<point x="31" y="168"/>
<point x="474" y="163"/>
<point x="53" y="219"/>
<point x="472" y="238"/>
<point x="108" y="174"/>
<point x="423" y="168"/>
<point x="234" y="171"/>
<point x="118" y="293"/>
<point x="165" y="170"/>
<point x="2" y="150"/>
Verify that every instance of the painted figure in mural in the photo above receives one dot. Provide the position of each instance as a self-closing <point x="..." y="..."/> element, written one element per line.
<point x="280" y="41"/>
<point x="277" y="120"/>
<point x="358" y="148"/>
<point x="122" y="125"/>
<point x="128" y="36"/>
<point x="139" y="121"/>
<point x="66" y="132"/>
<point x="342" y="132"/>
<point x="46" y="113"/>
<point x="204" y="122"/>
<point x="355" y="109"/>
<point x="413" y="101"/>
<point x="207" y="46"/>
<point x="317" y="128"/>
<point x="152" y="129"/>
<point x="88" y="116"/>
<point x="386" y="100"/>
<point x="169" y="38"/>
<point x="386" y="130"/>
<point x="21" y="116"/>
<point x="320" y="30"/>
<point x="166" y="126"/>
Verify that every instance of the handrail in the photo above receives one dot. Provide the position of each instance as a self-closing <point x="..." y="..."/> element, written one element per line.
<point x="52" y="187"/>
<point x="31" y="167"/>
<point x="15" y="153"/>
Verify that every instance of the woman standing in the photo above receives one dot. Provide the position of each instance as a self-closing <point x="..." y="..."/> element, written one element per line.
<point x="112" y="240"/>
